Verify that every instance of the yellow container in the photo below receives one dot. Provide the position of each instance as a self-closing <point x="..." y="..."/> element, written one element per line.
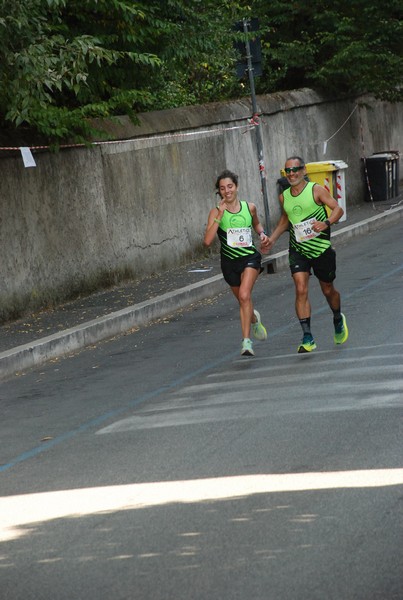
<point x="322" y="173"/>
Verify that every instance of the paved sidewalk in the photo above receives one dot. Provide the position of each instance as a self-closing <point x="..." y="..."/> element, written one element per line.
<point x="51" y="333"/>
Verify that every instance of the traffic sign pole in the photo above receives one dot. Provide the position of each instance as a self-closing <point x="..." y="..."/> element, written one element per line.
<point x="256" y="122"/>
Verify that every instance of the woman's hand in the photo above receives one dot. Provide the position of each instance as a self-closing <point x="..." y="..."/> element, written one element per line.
<point x="221" y="207"/>
<point x="265" y="243"/>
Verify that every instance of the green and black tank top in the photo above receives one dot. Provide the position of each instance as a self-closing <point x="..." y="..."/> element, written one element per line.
<point x="235" y="233"/>
<point x="300" y="210"/>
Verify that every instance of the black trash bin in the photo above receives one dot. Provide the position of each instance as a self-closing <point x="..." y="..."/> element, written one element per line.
<point x="382" y="171"/>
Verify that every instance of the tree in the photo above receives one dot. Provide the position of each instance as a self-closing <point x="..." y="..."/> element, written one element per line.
<point x="340" y="46"/>
<point x="65" y="62"/>
<point x="55" y="75"/>
<point x="197" y="50"/>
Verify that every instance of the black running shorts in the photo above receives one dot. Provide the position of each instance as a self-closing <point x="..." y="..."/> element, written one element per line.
<point x="324" y="266"/>
<point x="233" y="269"/>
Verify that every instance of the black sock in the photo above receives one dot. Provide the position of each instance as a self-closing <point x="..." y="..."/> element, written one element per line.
<point x="306" y="325"/>
<point x="337" y="315"/>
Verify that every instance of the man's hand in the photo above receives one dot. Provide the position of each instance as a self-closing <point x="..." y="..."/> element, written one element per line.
<point x="319" y="226"/>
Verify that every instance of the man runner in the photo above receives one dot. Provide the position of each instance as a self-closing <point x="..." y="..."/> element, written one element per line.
<point x="304" y="216"/>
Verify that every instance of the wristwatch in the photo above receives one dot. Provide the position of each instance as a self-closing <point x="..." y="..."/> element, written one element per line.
<point x="327" y="222"/>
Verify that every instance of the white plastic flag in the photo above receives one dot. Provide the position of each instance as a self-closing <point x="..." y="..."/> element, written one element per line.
<point x="27" y="157"/>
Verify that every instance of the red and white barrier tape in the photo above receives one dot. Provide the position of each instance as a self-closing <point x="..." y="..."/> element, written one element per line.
<point x="250" y="124"/>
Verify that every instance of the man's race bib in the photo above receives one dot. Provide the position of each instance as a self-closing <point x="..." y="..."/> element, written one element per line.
<point x="303" y="231"/>
<point x="239" y="237"/>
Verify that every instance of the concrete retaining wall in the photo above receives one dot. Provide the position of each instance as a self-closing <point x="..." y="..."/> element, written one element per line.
<point x="85" y="218"/>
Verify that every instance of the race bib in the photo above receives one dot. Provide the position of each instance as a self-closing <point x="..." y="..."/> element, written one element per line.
<point x="239" y="237"/>
<point x="303" y="231"/>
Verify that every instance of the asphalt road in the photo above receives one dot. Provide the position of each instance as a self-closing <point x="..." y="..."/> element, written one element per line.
<point x="162" y="465"/>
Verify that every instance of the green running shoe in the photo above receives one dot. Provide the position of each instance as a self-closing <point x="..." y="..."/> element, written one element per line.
<point x="258" y="329"/>
<point x="307" y="344"/>
<point x="247" y="349"/>
<point x="341" y="331"/>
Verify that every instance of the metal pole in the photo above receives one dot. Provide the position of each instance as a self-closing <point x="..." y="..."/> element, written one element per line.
<point x="259" y="142"/>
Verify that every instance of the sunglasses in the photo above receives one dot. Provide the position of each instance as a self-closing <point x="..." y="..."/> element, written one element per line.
<point x="289" y="170"/>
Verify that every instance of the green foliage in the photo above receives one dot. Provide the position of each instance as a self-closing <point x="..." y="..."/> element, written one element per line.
<point x="194" y="40"/>
<point x="367" y="53"/>
<point x="65" y="62"/>
<point x="57" y="74"/>
<point x="342" y="47"/>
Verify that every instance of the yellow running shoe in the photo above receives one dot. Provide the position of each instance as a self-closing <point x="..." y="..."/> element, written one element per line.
<point x="341" y="331"/>
<point x="258" y="329"/>
<point x="307" y="344"/>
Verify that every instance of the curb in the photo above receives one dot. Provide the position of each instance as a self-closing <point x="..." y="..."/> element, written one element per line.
<point x="86" y="334"/>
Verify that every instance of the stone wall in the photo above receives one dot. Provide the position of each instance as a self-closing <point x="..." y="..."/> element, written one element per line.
<point x="85" y="218"/>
